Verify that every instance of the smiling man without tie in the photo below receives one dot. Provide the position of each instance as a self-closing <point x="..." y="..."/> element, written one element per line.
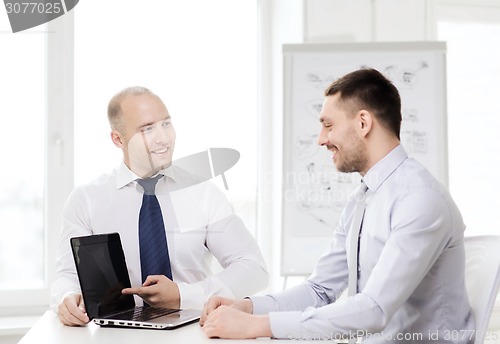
<point x="405" y="271"/>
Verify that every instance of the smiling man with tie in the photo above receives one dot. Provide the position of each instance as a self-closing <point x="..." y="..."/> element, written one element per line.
<point x="171" y="224"/>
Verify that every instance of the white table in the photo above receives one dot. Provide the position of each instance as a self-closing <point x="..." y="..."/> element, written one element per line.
<point x="48" y="330"/>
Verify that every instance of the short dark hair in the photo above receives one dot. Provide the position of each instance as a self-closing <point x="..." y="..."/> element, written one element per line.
<point x="368" y="89"/>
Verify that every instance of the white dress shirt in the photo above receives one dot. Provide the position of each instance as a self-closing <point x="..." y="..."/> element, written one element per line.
<point x="199" y="222"/>
<point x="411" y="268"/>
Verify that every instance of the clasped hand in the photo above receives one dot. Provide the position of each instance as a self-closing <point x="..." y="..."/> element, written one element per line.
<point x="226" y="318"/>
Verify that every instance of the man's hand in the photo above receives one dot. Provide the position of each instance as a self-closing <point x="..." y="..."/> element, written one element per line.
<point x="158" y="291"/>
<point x="71" y="311"/>
<point x="214" y="302"/>
<point x="231" y="323"/>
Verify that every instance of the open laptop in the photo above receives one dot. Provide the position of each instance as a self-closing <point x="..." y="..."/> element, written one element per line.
<point x="102" y="271"/>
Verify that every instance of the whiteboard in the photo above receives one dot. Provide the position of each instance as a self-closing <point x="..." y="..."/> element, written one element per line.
<point x="314" y="192"/>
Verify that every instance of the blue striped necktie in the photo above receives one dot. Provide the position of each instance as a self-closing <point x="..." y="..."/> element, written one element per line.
<point x="152" y="238"/>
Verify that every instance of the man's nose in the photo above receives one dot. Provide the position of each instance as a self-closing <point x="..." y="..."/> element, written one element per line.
<point x="161" y="135"/>
<point x="323" y="138"/>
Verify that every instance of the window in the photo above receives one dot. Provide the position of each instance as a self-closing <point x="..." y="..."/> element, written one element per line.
<point x="202" y="62"/>
<point x="36" y="144"/>
<point x="473" y="44"/>
<point x="199" y="56"/>
<point x="22" y="177"/>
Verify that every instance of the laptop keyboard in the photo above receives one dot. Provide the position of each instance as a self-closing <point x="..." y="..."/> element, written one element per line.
<point x="143" y="313"/>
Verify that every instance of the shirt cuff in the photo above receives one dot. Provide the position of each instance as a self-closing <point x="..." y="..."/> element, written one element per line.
<point x="285" y="325"/>
<point x="192" y="295"/>
<point x="263" y="304"/>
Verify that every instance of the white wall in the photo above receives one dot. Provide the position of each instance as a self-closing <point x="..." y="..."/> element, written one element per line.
<point x="282" y="22"/>
<point x="365" y="20"/>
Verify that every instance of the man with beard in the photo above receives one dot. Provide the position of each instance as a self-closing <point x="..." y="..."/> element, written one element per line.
<point x="398" y="246"/>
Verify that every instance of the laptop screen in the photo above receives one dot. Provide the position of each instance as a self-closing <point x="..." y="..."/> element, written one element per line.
<point x="103" y="274"/>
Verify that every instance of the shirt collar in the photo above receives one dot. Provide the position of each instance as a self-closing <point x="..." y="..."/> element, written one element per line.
<point x="384" y="168"/>
<point x="125" y="176"/>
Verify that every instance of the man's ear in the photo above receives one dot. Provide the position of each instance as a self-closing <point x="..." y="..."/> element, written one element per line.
<point x="117" y="139"/>
<point x="365" y="121"/>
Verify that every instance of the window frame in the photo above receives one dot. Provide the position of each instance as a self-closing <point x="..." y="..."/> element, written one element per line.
<point x="58" y="147"/>
<point x="465" y="11"/>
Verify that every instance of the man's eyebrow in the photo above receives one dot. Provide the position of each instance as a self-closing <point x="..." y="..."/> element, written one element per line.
<point x="152" y="123"/>
<point x="146" y="125"/>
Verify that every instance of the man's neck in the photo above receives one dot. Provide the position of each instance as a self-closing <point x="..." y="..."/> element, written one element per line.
<point x="378" y="149"/>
